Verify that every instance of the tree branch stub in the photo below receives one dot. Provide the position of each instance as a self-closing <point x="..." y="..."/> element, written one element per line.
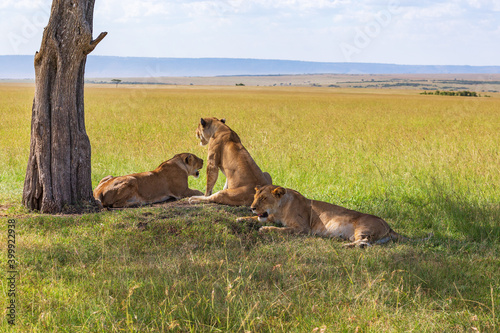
<point x="96" y="41"/>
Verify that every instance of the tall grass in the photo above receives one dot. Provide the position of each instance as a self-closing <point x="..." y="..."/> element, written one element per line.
<point x="424" y="163"/>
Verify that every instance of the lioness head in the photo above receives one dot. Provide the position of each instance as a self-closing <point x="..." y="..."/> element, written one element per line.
<point x="266" y="200"/>
<point x="206" y="129"/>
<point x="194" y="164"/>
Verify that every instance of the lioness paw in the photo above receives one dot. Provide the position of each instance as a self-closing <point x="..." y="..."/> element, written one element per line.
<point x="196" y="199"/>
<point x="265" y="229"/>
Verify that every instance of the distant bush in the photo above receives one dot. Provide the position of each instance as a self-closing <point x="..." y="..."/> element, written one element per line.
<point x="465" y="93"/>
<point x="240" y="84"/>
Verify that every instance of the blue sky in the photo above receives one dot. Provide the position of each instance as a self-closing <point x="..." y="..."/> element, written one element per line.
<point x="457" y="32"/>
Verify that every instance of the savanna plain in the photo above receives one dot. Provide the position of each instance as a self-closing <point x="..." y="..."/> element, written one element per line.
<point x="426" y="164"/>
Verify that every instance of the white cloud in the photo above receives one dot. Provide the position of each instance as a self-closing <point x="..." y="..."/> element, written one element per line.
<point x="25" y="4"/>
<point x="493" y="5"/>
<point x="303" y="4"/>
<point x="125" y="10"/>
<point x="435" y="11"/>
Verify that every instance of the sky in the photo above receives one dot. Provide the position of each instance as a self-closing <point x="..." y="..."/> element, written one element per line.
<point x="413" y="32"/>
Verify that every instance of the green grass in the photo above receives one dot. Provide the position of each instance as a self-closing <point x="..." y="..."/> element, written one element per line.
<point x="423" y="163"/>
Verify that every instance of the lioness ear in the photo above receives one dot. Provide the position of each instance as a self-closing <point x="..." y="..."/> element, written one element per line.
<point x="279" y="192"/>
<point x="189" y="158"/>
<point x="203" y="122"/>
<point x="223" y="120"/>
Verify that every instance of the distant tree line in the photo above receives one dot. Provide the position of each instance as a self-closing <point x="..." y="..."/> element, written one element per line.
<point x="465" y="93"/>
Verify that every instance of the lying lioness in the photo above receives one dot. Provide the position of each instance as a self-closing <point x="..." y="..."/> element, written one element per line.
<point x="225" y="152"/>
<point x="301" y="215"/>
<point x="168" y="181"/>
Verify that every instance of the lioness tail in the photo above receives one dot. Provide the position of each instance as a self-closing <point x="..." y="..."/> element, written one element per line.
<point x="395" y="236"/>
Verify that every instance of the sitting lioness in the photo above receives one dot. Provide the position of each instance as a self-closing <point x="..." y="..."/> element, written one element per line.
<point x="225" y="152"/>
<point x="168" y="181"/>
<point x="301" y="215"/>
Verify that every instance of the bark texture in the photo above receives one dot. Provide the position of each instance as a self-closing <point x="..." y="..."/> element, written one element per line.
<point x="59" y="168"/>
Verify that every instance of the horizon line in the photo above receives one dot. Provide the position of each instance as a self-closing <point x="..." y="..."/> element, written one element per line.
<point x="266" y="59"/>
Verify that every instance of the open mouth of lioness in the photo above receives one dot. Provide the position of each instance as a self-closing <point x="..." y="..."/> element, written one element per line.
<point x="263" y="217"/>
<point x="197" y="174"/>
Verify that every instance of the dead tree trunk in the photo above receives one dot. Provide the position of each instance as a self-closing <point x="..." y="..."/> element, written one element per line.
<point x="58" y="173"/>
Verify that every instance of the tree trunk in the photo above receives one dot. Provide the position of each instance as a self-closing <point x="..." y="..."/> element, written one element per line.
<point x="58" y="174"/>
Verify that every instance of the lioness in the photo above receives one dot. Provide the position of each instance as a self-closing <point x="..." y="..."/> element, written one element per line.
<point x="301" y="215"/>
<point x="225" y="152"/>
<point x="167" y="181"/>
